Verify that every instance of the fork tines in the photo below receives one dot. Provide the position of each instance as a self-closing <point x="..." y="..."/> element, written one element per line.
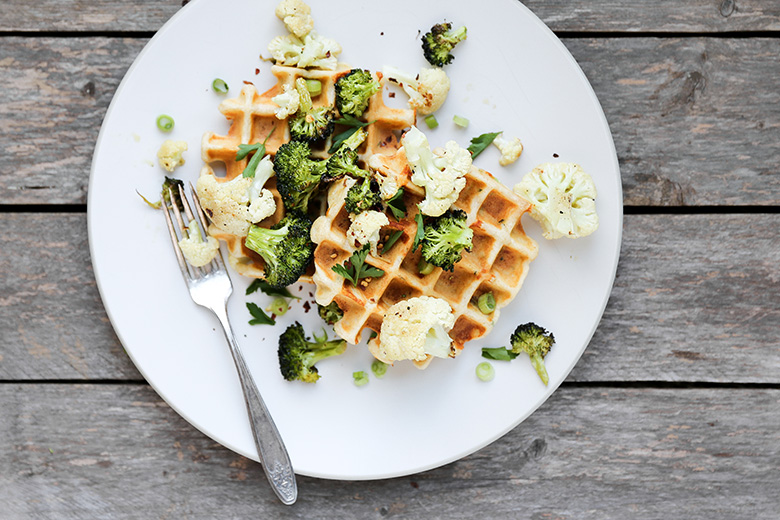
<point x="181" y="230"/>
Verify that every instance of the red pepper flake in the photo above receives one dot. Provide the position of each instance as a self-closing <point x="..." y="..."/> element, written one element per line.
<point x="556" y="155"/>
<point x="248" y="82"/>
<point x="382" y="33"/>
<point x="306" y="306"/>
<point x="257" y="71"/>
<point x="391" y="94"/>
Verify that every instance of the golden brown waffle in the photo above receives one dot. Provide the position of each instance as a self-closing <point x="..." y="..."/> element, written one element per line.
<point x="497" y="263"/>
<point x="252" y="117"/>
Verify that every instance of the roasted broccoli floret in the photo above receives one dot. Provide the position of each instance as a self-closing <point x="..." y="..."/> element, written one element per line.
<point x="353" y="90"/>
<point x="173" y="185"/>
<point x="438" y="43"/>
<point x="362" y="196"/>
<point x="330" y="313"/>
<point x="286" y="248"/>
<point x="298" y="176"/>
<point x="445" y="238"/>
<point x="298" y="355"/>
<point x="344" y="160"/>
<point x="536" y="342"/>
<point x="309" y="124"/>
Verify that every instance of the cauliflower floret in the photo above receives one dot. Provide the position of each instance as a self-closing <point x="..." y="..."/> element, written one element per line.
<point x="385" y="177"/>
<point x="296" y="15"/>
<point x="415" y="329"/>
<point x="170" y="154"/>
<point x="441" y="175"/>
<point x="427" y="92"/>
<point x="313" y="51"/>
<point x="563" y="198"/>
<point x="510" y="149"/>
<point x="289" y="101"/>
<point x="234" y="205"/>
<point x="365" y="229"/>
<point x="197" y="251"/>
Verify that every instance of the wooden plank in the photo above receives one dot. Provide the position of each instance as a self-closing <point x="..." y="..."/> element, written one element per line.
<point x="117" y="451"/>
<point x="560" y="15"/>
<point x="708" y="317"/>
<point x="696" y="121"/>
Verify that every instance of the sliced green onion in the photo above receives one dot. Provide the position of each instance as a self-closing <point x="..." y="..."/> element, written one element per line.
<point x="379" y="368"/>
<point x="485" y="371"/>
<point x="460" y="121"/>
<point x="279" y="306"/>
<point x="360" y="378"/>
<point x="165" y="123"/>
<point x="431" y="121"/>
<point x="424" y="267"/>
<point x="314" y="86"/>
<point x="219" y="86"/>
<point x="486" y="303"/>
<point x="321" y="338"/>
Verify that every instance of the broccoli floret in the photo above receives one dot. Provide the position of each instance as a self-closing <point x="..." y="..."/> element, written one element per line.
<point x="344" y="160"/>
<point x="308" y="123"/>
<point x="363" y="196"/>
<point x="445" y="238"/>
<point x="298" y="177"/>
<point x="536" y="342"/>
<point x="298" y="355"/>
<point x="438" y="43"/>
<point x="173" y="185"/>
<point x="353" y="90"/>
<point x="286" y="248"/>
<point x="330" y="313"/>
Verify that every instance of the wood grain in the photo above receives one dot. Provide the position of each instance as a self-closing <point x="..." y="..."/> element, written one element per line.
<point x="696" y="120"/>
<point x="708" y="317"/>
<point x="117" y="451"/>
<point x="560" y="15"/>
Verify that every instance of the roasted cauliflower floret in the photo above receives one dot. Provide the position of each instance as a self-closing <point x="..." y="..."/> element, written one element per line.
<point x="289" y="101"/>
<point x="296" y="15"/>
<point x="197" y="251"/>
<point x="563" y="198"/>
<point x="311" y="51"/>
<point x="170" y="154"/>
<point x="415" y="329"/>
<point x="234" y="205"/>
<point x="427" y="91"/>
<point x="441" y="175"/>
<point x="510" y="149"/>
<point x="365" y="229"/>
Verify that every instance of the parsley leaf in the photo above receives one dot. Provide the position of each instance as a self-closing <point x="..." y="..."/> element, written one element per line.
<point x="264" y="287"/>
<point x="418" y="236"/>
<point x="391" y="241"/>
<point x="258" y="316"/>
<point x="479" y="143"/>
<point x="258" y="149"/>
<point x="358" y="268"/>
<point x="351" y="122"/>
<point x="396" y="204"/>
<point x="498" y="353"/>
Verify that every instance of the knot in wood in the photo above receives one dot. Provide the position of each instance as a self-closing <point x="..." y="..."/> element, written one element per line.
<point x="727" y="7"/>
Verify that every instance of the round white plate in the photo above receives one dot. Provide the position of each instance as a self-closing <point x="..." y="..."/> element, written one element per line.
<point x="512" y="74"/>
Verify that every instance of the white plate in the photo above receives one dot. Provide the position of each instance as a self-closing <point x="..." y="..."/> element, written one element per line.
<point x="512" y="74"/>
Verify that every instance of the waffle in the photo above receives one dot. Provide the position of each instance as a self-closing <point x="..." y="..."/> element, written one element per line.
<point x="498" y="261"/>
<point x="252" y="117"/>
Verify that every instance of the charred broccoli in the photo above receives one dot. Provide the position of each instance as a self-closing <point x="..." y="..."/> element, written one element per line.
<point x="438" y="43"/>
<point x="330" y="313"/>
<point x="309" y="124"/>
<point x="445" y="238"/>
<point x="353" y="90"/>
<point x="298" y="355"/>
<point x="298" y="177"/>
<point x="363" y="195"/>
<point x="286" y="248"/>
<point x="344" y="160"/>
<point x="173" y="185"/>
<point x="534" y="341"/>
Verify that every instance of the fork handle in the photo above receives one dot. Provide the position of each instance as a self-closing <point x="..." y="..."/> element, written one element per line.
<point x="270" y="447"/>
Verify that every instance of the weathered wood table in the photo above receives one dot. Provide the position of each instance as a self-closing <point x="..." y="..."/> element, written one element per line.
<point x="673" y="412"/>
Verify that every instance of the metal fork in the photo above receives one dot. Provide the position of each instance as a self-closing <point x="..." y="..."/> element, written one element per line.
<point x="210" y="287"/>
